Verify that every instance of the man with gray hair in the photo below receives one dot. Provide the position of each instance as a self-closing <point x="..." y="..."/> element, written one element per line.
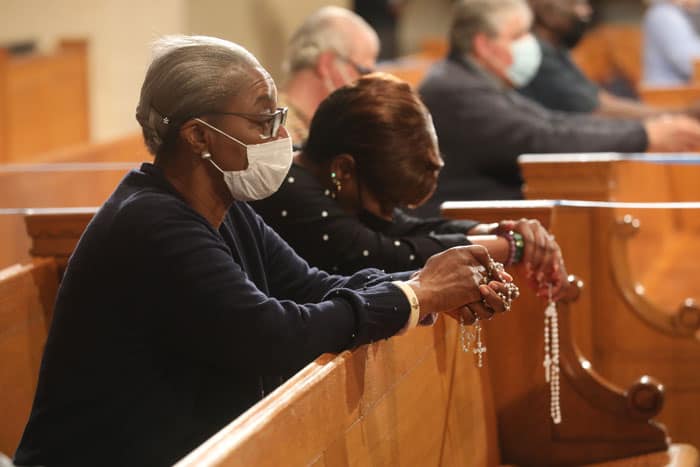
<point x="331" y="48"/>
<point x="484" y="125"/>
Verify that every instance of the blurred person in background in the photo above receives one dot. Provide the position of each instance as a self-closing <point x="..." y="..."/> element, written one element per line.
<point x="559" y="83"/>
<point x="483" y="124"/>
<point x="671" y="42"/>
<point x="332" y="48"/>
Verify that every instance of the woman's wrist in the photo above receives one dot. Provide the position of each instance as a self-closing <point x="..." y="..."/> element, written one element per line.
<point x="516" y="245"/>
<point x="497" y="246"/>
<point x="415" y="314"/>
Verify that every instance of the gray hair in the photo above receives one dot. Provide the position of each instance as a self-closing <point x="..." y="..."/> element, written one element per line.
<point x="471" y="17"/>
<point x="326" y="29"/>
<point x="188" y="76"/>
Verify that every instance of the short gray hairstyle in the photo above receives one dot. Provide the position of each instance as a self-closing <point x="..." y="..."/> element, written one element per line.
<point x="188" y="76"/>
<point x="326" y="29"/>
<point x="471" y="17"/>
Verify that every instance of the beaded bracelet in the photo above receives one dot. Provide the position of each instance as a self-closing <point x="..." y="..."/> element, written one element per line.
<point x="519" y="247"/>
<point x="516" y="246"/>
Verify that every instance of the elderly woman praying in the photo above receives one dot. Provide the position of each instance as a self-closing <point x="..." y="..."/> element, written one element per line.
<point x="180" y="308"/>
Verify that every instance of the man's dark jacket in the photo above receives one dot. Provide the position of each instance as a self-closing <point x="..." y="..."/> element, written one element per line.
<point x="483" y="127"/>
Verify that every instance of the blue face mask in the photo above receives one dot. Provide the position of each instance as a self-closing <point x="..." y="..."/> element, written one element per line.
<point x="527" y="58"/>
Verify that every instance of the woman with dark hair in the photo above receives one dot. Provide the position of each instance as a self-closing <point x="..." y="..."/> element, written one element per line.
<point x="372" y="149"/>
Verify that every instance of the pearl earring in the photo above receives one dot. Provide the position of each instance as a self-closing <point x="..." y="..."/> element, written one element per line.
<point x="206" y="155"/>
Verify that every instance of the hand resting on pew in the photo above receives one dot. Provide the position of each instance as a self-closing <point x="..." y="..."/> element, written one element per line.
<point x="458" y="282"/>
<point x="673" y="133"/>
<point x="540" y="256"/>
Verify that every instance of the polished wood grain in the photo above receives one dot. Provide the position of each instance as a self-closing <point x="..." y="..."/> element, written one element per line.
<point x="620" y="338"/>
<point x="49" y="185"/>
<point x="27" y="293"/>
<point x="610" y="52"/>
<point x="611" y="177"/>
<point x="43" y="101"/>
<point x="395" y="402"/>
<point x="675" y="97"/>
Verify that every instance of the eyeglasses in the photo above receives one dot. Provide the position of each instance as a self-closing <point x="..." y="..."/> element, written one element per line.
<point x="269" y="122"/>
<point x="361" y="70"/>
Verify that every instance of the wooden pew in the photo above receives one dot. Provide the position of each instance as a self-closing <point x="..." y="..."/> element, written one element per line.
<point x="637" y="314"/>
<point x="434" y="48"/>
<point x="418" y="400"/>
<point x="411" y="69"/>
<point x="129" y="148"/>
<point x="43" y="101"/>
<point x="611" y="177"/>
<point x="676" y="97"/>
<point x="611" y="51"/>
<point x="27" y="293"/>
<point x="45" y="186"/>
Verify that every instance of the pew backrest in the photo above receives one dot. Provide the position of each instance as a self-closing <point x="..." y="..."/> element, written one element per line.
<point x="29" y="186"/>
<point x="611" y="51"/>
<point x="419" y="397"/>
<point x="639" y="311"/>
<point x="27" y="294"/>
<point x="43" y="101"/>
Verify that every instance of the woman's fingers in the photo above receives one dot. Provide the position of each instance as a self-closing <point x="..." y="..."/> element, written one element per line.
<point x="540" y="247"/>
<point x="463" y="315"/>
<point x="523" y="228"/>
<point x="481" y="311"/>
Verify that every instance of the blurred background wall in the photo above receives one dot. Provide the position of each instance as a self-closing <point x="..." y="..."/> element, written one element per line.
<point x="119" y="32"/>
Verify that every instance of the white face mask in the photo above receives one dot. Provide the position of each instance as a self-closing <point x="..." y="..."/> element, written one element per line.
<point x="527" y="58"/>
<point x="268" y="164"/>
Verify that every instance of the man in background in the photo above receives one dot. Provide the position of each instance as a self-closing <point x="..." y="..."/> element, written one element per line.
<point x="332" y="48"/>
<point x="559" y="83"/>
<point x="483" y="125"/>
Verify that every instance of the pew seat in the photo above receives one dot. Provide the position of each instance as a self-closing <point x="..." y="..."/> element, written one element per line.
<point x="419" y="400"/>
<point x="27" y="293"/>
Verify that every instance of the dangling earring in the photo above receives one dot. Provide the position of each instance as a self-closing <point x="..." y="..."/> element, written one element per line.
<point x="336" y="183"/>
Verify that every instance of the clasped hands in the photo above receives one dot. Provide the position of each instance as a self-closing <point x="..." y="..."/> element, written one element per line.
<point x="464" y="283"/>
<point x="542" y="260"/>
